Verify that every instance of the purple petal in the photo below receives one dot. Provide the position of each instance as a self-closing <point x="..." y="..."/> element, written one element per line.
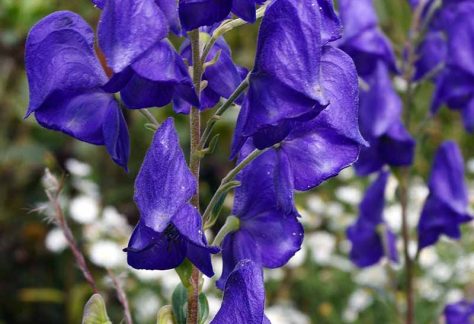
<point x="164" y="183"/>
<point x="116" y="136"/>
<point x="357" y="17"/>
<point x="245" y="9"/>
<point x="461" y="40"/>
<point x="170" y="11"/>
<point x="431" y="52"/>
<point x="99" y="3"/>
<point x="459" y="313"/>
<point x="331" y="28"/>
<point x="128" y="28"/>
<point x="244" y="296"/>
<point x="197" y="13"/>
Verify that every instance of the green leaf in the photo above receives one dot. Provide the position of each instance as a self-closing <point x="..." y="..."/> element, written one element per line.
<point x="179" y="301"/>
<point x="203" y="308"/>
<point x="184" y="271"/>
<point x="95" y="311"/>
<point x="165" y="315"/>
<point x="213" y="144"/>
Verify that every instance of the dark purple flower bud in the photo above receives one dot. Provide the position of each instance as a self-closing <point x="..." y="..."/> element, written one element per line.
<point x="370" y="237"/>
<point x="362" y="39"/>
<point x="65" y="79"/>
<point x="380" y="123"/>
<point x="223" y="77"/>
<point x="170" y="229"/>
<point x="461" y="312"/>
<point x="244" y="296"/>
<point x="269" y="232"/>
<point x="128" y="28"/>
<point x="154" y="79"/>
<point x="446" y="207"/>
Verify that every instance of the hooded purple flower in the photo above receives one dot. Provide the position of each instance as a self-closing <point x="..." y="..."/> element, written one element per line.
<point x="445" y="208"/>
<point x="362" y="39"/>
<point x="244" y="296"/>
<point x="155" y="79"/>
<point x="380" y="123"/>
<point x="170" y="229"/>
<point x="65" y="79"/>
<point x="285" y="83"/>
<point x="223" y="77"/>
<point x="269" y="232"/>
<point x="365" y="235"/>
<point x="198" y="13"/>
<point x="459" y="313"/>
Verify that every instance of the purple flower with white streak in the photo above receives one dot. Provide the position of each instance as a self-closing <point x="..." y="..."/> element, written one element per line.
<point x="170" y="229"/>
<point x="369" y="245"/>
<point x="65" y="79"/>
<point x="446" y="207"/>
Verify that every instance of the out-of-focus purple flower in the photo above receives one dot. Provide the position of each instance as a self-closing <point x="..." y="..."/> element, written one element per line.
<point x="380" y="123"/>
<point x="285" y="83"/>
<point x="431" y="53"/>
<point x="170" y="229"/>
<point x="155" y="79"/>
<point x="128" y="28"/>
<point x="363" y="40"/>
<point x="368" y="245"/>
<point x="65" y="79"/>
<point x="461" y="312"/>
<point x="446" y="207"/>
<point x="223" y="77"/>
<point x="269" y="232"/>
<point x="244" y="296"/>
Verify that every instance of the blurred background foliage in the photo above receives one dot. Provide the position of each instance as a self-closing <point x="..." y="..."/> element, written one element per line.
<point x="40" y="283"/>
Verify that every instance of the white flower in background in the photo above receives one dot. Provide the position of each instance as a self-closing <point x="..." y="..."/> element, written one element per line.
<point x="470" y="166"/>
<point x="107" y="254"/>
<point x="285" y="314"/>
<point x="391" y="188"/>
<point x="341" y="263"/>
<point x="346" y="174"/>
<point x="349" y="194"/>
<point x="334" y="210"/>
<point x="321" y="245"/>
<point x="84" y="209"/>
<point x="428" y="289"/>
<point x="113" y="220"/>
<point x="55" y="240"/>
<point x="276" y="274"/>
<point x="316" y="204"/>
<point x="359" y="300"/>
<point x="146" y="306"/>
<point x="87" y="187"/>
<point x="298" y="259"/>
<point x="441" y="272"/>
<point x="78" y="168"/>
<point x="453" y="296"/>
<point x="375" y="276"/>
<point x="309" y="219"/>
<point x="392" y="215"/>
<point x="428" y="258"/>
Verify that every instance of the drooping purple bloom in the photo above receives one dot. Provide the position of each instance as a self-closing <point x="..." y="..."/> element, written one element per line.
<point x="170" y="229"/>
<point x="363" y="40"/>
<point x="155" y="79"/>
<point x="65" y="79"/>
<point x="244" y="296"/>
<point x="446" y="207"/>
<point x="269" y="232"/>
<point x="380" y="123"/>
<point x="128" y="28"/>
<point x="285" y="83"/>
<point x="369" y="245"/>
<point x="461" y="312"/>
<point x="223" y="77"/>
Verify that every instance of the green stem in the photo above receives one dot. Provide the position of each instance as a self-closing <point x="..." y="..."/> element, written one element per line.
<point x="148" y="115"/>
<point x="232" y="224"/>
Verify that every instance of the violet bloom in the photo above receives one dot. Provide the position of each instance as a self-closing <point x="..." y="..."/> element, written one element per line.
<point x="194" y="14"/>
<point x="363" y="40"/>
<point x="65" y="79"/>
<point x="285" y="83"/>
<point x="368" y="245"/>
<point x="170" y="228"/>
<point x="156" y="78"/>
<point x="244" y="296"/>
<point x="446" y="207"/>
<point x="380" y="123"/>
<point x="459" y="313"/>
<point x="223" y="77"/>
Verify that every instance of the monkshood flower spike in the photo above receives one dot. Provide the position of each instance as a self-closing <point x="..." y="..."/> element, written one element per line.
<point x="370" y="237"/>
<point x="65" y="79"/>
<point x="446" y="207"/>
<point x="244" y="296"/>
<point x="461" y="312"/>
<point x="170" y="229"/>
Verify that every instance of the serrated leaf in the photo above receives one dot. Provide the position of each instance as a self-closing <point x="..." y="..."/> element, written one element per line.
<point x="95" y="311"/>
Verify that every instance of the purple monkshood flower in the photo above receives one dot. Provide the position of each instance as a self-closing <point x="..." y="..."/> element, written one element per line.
<point x="285" y="83"/>
<point x="156" y="78"/>
<point x="223" y="77"/>
<point x="170" y="228"/>
<point x="380" y="123"/>
<point x="368" y="245"/>
<point x="446" y="207"/>
<point x="461" y="312"/>
<point x="194" y="14"/>
<point x="65" y="80"/>
<point x="363" y="40"/>
<point x="244" y="296"/>
<point x="269" y="233"/>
